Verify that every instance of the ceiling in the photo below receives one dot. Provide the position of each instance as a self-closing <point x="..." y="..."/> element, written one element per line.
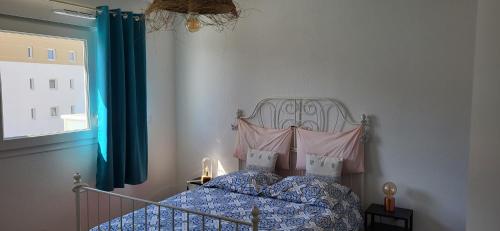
<point x="42" y="9"/>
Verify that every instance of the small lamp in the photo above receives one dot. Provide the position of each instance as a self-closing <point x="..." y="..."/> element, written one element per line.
<point x="390" y="190"/>
<point x="206" y="170"/>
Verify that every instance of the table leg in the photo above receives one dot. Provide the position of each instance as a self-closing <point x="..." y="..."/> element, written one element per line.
<point x="366" y="221"/>
<point x="411" y="223"/>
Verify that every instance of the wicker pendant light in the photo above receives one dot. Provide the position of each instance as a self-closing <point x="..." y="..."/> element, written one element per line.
<point x="162" y="14"/>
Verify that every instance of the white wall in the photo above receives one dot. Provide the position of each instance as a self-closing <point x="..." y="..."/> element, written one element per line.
<point x="35" y="191"/>
<point x="406" y="63"/>
<point x="484" y="159"/>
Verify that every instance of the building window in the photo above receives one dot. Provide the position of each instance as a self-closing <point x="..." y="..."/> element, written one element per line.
<point x="72" y="56"/>
<point x="53" y="83"/>
<point x="54" y="111"/>
<point x="51" y="54"/>
<point x="32" y="83"/>
<point x="20" y="118"/>
<point x="30" y="52"/>
<point x="33" y="113"/>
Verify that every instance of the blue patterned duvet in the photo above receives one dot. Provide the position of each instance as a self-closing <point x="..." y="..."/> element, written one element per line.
<point x="275" y="214"/>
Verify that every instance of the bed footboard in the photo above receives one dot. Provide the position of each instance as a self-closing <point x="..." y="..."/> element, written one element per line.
<point x="80" y="188"/>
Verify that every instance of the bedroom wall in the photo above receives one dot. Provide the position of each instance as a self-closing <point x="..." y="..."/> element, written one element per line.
<point x="484" y="159"/>
<point x="35" y="190"/>
<point x="409" y="64"/>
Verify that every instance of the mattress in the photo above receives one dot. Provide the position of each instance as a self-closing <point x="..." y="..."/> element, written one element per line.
<point x="275" y="214"/>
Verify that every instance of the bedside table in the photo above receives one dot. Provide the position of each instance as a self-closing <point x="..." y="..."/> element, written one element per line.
<point x="194" y="182"/>
<point x="399" y="214"/>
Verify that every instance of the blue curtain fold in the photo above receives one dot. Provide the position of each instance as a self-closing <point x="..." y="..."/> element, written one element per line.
<point x="121" y="93"/>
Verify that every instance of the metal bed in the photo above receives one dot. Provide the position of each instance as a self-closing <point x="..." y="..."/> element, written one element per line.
<point x="80" y="188"/>
<point x="317" y="114"/>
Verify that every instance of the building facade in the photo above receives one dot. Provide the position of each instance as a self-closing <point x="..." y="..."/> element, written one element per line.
<point x="44" y="84"/>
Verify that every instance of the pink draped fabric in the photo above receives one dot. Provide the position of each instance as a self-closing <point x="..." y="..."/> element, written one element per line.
<point x="250" y="136"/>
<point x="346" y="145"/>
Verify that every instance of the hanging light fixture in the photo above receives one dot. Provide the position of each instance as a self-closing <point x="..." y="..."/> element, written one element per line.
<point x="193" y="24"/>
<point x="220" y="14"/>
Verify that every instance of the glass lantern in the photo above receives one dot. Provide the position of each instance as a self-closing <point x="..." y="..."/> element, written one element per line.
<point x="206" y="169"/>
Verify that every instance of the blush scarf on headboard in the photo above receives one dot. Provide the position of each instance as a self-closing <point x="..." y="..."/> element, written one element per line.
<point x="346" y="145"/>
<point x="250" y="136"/>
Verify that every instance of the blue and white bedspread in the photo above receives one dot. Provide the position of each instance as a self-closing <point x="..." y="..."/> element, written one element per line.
<point x="275" y="214"/>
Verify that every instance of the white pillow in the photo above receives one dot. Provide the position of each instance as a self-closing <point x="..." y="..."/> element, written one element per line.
<point x="323" y="166"/>
<point x="261" y="160"/>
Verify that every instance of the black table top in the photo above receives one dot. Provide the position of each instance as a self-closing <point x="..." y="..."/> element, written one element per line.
<point x="399" y="213"/>
<point x="195" y="181"/>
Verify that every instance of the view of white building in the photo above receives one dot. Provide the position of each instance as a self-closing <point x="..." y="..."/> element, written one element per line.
<point x="43" y="85"/>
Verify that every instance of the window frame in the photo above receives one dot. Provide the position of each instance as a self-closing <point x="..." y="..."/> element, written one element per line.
<point x="55" y="84"/>
<point x="33" y="113"/>
<point x="30" y="52"/>
<point x="54" y="52"/>
<point x="56" y="111"/>
<point x="31" y="82"/>
<point x="74" y="56"/>
<point x="40" y="144"/>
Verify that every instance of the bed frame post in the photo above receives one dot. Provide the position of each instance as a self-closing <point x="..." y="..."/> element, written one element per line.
<point x="255" y="218"/>
<point x="77" y="186"/>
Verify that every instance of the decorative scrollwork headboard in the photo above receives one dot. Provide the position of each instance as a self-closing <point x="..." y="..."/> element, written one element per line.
<point x="316" y="114"/>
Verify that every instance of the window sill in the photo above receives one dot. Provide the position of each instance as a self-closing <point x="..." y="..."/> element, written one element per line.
<point x="36" y="145"/>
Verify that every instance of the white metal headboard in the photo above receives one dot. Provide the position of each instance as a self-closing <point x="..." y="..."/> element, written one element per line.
<point x="316" y="114"/>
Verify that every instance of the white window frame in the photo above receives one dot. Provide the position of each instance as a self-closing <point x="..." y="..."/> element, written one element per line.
<point x="10" y="148"/>
<point x="54" y="52"/>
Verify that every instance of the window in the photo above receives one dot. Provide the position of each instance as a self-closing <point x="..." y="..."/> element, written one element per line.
<point x="56" y="112"/>
<point x="30" y="52"/>
<point x="32" y="83"/>
<point x="33" y="113"/>
<point x="53" y="83"/>
<point x="51" y="54"/>
<point x="72" y="56"/>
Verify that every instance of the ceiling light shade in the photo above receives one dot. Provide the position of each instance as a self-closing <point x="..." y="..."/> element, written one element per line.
<point x="162" y="14"/>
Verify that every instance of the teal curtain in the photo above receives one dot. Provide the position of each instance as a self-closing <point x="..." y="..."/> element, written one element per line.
<point x="121" y="93"/>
